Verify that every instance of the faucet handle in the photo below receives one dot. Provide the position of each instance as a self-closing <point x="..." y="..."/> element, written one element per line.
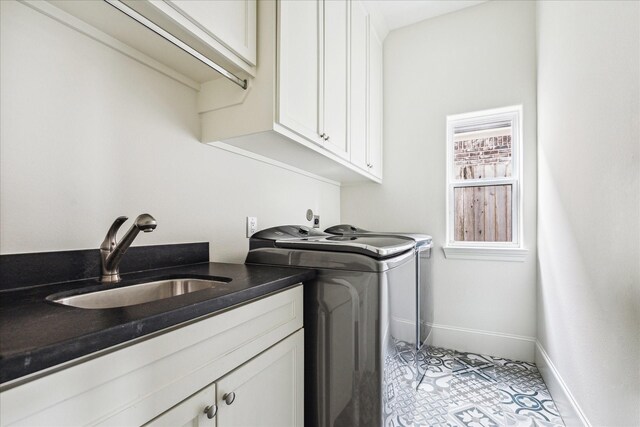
<point x="109" y="242"/>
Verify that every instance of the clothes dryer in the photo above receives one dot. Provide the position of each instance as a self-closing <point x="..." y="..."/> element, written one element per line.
<point x="418" y="310"/>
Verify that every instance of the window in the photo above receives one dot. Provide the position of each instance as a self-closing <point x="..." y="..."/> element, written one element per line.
<point x="484" y="164"/>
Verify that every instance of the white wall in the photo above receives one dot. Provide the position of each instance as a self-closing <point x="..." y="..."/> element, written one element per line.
<point x="89" y="134"/>
<point x="589" y="208"/>
<point x="477" y="58"/>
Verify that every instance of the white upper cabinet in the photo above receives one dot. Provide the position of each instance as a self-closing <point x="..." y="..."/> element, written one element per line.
<point x="310" y="104"/>
<point x="359" y="117"/>
<point x="375" y="103"/>
<point x="223" y="30"/>
<point x="365" y="128"/>
<point x="307" y="73"/>
<point x="299" y="34"/>
<point x="312" y="71"/>
<point x="335" y="76"/>
<point x="179" y="38"/>
<point x="231" y="22"/>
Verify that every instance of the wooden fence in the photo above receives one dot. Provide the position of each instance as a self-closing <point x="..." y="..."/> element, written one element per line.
<point x="483" y="213"/>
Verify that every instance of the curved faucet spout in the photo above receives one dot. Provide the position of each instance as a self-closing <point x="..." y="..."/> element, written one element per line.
<point x="111" y="252"/>
<point x="109" y="242"/>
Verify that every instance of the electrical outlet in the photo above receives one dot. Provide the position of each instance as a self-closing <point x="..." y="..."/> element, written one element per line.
<point x="316" y="221"/>
<point x="252" y="225"/>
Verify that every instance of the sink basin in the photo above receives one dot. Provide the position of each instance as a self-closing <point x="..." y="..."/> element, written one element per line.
<point x="138" y="294"/>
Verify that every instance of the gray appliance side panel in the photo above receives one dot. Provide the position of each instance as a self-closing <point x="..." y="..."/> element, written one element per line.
<point x="425" y="261"/>
<point x="353" y="321"/>
<point x="343" y="371"/>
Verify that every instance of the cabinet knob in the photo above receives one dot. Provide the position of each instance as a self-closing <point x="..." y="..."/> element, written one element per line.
<point x="323" y="136"/>
<point x="229" y="398"/>
<point x="211" y="411"/>
<point x="326" y="138"/>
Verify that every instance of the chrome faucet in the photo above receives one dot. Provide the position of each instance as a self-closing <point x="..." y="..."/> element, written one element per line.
<point x="111" y="252"/>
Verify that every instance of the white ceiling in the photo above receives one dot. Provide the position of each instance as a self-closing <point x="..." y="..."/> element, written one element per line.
<point x="400" y="13"/>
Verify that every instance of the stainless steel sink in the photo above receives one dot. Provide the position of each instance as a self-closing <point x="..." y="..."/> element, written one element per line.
<point x="137" y="294"/>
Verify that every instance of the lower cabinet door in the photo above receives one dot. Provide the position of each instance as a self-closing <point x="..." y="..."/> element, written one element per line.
<point x="199" y="410"/>
<point x="266" y="391"/>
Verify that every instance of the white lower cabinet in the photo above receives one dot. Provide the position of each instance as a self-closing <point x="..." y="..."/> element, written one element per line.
<point x="199" y="410"/>
<point x="266" y="391"/>
<point x="254" y="351"/>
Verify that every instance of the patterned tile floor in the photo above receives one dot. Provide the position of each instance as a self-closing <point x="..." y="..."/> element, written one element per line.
<point x="464" y="389"/>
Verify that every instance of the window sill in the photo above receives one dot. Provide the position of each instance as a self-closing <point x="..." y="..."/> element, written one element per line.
<point x="485" y="254"/>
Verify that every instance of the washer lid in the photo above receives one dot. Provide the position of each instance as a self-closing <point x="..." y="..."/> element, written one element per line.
<point x="350" y="230"/>
<point x="286" y="232"/>
<point x="343" y="229"/>
<point x="373" y="246"/>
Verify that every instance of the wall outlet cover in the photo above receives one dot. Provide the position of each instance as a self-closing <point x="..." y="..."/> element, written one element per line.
<point x="252" y="225"/>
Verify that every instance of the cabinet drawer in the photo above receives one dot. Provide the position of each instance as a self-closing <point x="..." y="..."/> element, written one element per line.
<point x="132" y="385"/>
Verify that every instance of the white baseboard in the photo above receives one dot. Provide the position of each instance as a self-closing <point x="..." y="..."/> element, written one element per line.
<point x="514" y="347"/>
<point x="403" y="329"/>
<point x="569" y="409"/>
<point x="429" y="339"/>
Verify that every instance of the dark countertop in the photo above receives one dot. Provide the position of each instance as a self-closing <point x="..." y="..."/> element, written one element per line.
<point x="36" y="334"/>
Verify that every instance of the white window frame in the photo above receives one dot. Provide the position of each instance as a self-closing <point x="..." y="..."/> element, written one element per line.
<point x="499" y="251"/>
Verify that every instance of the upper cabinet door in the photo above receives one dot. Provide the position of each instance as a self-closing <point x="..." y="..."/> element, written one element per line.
<point x="335" y="77"/>
<point x="299" y="29"/>
<point x="375" y="103"/>
<point x="231" y="22"/>
<point x="359" y="79"/>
